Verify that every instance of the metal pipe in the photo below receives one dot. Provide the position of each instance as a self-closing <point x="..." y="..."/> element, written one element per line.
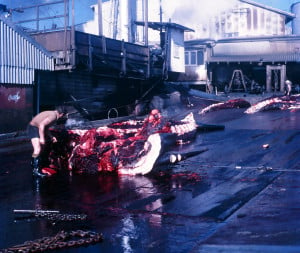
<point x="34" y="211"/>
<point x="41" y="4"/>
<point x="38" y="93"/>
<point x="73" y="34"/>
<point x="2" y="41"/>
<point x="100" y="26"/>
<point x="38" y="18"/>
<point x="66" y="23"/>
<point x="146" y="22"/>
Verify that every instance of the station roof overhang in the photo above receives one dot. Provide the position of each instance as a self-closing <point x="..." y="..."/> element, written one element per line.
<point x="163" y="25"/>
<point x="287" y="54"/>
<point x="268" y="58"/>
<point x="271" y="38"/>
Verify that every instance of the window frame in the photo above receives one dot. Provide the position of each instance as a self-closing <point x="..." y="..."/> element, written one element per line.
<point x="191" y="57"/>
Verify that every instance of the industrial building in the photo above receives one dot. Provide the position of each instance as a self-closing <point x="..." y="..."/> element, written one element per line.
<point x="258" y="54"/>
<point x="91" y="72"/>
<point x="237" y="45"/>
<point x="96" y="67"/>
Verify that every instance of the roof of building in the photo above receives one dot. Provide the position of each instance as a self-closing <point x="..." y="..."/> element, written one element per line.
<point x="21" y="32"/>
<point x="21" y="55"/>
<point x="288" y="52"/>
<point x="289" y="16"/>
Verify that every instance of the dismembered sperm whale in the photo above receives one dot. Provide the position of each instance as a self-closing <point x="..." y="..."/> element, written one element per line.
<point x="272" y="103"/>
<point x="276" y="103"/>
<point x="130" y="147"/>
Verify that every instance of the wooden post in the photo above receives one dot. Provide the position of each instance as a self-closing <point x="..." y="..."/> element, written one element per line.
<point x="90" y="53"/>
<point x="123" y="55"/>
<point x="282" y="77"/>
<point x="268" y="79"/>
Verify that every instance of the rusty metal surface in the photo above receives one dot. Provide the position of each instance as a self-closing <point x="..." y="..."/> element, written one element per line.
<point x="97" y="53"/>
<point x="239" y="196"/>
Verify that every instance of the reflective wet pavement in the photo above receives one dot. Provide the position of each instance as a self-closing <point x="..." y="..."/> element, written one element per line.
<point x="241" y="195"/>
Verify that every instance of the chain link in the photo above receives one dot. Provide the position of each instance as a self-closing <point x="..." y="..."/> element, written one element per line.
<point x="75" y="238"/>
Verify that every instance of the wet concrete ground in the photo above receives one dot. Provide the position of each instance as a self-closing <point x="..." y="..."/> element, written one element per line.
<point x="236" y="197"/>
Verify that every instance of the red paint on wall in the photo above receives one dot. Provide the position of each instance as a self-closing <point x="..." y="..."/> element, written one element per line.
<point x="15" y="108"/>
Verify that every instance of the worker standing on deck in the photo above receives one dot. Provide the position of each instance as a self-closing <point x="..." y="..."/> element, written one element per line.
<point x="288" y="87"/>
<point x="37" y="129"/>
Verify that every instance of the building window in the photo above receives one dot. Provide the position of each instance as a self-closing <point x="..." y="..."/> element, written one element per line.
<point x="186" y="58"/>
<point x="255" y="19"/>
<point x="193" y="58"/>
<point x="176" y="51"/>
<point x="200" y="58"/>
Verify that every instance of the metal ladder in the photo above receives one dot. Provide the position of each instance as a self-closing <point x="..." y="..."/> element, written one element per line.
<point x="237" y="79"/>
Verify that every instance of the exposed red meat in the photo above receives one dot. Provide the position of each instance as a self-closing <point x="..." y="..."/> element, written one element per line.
<point x="276" y="103"/>
<point x="129" y="147"/>
<point x="233" y="103"/>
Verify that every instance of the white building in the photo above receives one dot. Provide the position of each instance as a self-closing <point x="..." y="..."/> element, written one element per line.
<point x="251" y="39"/>
<point x="214" y="19"/>
<point x="119" y="17"/>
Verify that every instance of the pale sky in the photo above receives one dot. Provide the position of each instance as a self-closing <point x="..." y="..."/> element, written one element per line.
<point x="279" y="4"/>
<point x="83" y="6"/>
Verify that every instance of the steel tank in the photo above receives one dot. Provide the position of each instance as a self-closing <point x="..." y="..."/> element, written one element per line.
<point x="295" y="8"/>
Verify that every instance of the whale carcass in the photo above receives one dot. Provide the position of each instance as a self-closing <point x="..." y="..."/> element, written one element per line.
<point x="276" y="103"/>
<point x="232" y="103"/>
<point x="272" y="103"/>
<point x="127" y="147"/>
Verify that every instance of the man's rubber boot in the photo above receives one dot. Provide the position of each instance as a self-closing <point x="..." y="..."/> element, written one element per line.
<point x="36" y="170"/>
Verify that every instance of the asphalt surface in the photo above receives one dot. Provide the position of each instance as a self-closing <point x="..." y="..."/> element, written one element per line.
<point x="241" y="195"/>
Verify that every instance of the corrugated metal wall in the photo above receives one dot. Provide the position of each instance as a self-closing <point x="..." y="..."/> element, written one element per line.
<point x="20" y="56"/>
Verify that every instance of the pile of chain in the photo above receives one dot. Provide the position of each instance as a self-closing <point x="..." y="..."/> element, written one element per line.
<point x="61" y="240"/>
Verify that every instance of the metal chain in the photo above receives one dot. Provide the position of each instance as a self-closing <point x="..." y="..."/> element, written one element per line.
<point x="52" y="215"/>
<point x="61" y="240"/>
<point x="60" y="217"/>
